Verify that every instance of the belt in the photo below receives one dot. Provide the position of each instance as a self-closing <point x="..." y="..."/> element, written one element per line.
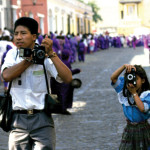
<point x="29" y="112"/>
<point x="136" y="123"/>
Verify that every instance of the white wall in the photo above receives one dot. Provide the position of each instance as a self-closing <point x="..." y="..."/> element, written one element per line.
<point x="2" y="21"/>
<point x="109" y="12"/>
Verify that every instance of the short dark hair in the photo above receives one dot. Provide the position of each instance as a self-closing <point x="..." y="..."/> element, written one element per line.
<point x="28" y="22"/>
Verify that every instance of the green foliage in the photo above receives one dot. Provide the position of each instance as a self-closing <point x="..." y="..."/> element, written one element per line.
<point x="95" y="9"/>
<point x="81" y="1"/>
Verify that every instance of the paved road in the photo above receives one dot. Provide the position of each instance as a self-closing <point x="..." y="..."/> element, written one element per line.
<point x="97" y="120"/>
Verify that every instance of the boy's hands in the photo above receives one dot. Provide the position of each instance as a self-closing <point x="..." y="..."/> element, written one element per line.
<point x="48" y="44"/>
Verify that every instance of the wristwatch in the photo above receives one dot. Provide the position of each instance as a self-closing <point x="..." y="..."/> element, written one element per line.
<point x="134" y="94"/>
<point x="28" y="60"/>
<point x="53" y="55"/>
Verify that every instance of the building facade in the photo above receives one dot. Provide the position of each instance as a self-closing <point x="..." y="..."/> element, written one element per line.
<point x="124" y="17"/>
<point x="69" y="16"/>
<point x="130" y="17"/>
<point x="61" y="15"/>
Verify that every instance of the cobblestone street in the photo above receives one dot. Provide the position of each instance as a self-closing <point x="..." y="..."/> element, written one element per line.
<point x="97" y="120"/>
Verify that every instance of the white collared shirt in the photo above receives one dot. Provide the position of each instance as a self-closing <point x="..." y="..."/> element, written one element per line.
<point x="28" y="91"/>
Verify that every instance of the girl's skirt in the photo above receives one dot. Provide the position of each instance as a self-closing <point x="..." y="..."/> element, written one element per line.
<point x="136" y="136"/>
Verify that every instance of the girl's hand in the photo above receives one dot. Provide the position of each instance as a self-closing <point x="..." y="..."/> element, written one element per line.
<point x="131" y="88"/>
<point x="129" y="67"/>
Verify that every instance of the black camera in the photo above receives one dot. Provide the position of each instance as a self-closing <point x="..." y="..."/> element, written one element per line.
<point x="131" y="77"/>
<point x="38" y="54"/>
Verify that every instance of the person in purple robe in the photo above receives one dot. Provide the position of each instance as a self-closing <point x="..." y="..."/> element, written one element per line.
<point x="107" y="41"/>
<point x="62" y="90"/>
<point x="96" y="44"/>
<point x="102" y="42"/>
<point x="67" y="46"/>
<point x="81" y="51"/>
<point x="118" y="42"/>
<point x="134" y="41"/>
<point x="39" y="39"/>
<point x="74" y="45"/>
<point x="139" y="42"/>
<point x="56" y="45"/>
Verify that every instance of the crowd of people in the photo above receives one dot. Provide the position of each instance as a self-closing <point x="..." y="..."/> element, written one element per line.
<point x="76" y="46"/>
<point x="27" y="77"/>
<point x="81" y="44"/>
<point x="71" y="48"/>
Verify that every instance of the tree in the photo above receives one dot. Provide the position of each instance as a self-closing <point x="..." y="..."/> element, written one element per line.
<point x="95" y="9"/>
<point x="81" y="1"/>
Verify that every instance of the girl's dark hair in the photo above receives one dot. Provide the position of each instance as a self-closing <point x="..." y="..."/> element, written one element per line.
<point x="142" y="74"/>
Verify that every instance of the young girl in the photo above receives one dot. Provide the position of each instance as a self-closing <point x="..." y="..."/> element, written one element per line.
<point x="136" y="107"/>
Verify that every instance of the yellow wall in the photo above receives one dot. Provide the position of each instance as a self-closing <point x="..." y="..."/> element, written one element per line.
<point x="146" y="13"/>
<point x="127" y="26"/>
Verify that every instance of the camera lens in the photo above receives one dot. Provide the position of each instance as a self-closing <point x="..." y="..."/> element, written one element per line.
<point x="130" y="77"/>
<point x="40" y="54"/>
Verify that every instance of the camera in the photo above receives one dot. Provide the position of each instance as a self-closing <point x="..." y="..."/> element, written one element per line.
<point x="38" y="54"/>
<point x="131" y="77"/>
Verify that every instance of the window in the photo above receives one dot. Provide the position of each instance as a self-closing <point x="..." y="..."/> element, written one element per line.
<point x="41" y="25"/>
<point x="56" y="23"/>
<point x="122" y="14"/>
<point x="130" y="10"/>
<point x="14" y="15"/>
<point x="50" y="21"/>
<point x="62" y="23"/>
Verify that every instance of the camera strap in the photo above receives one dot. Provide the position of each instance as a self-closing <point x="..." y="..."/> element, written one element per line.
<point x="16" y="54"/>
<point x="46" y="79"/>
<point x="130" y="101"/>
<point x="9" y="87"/>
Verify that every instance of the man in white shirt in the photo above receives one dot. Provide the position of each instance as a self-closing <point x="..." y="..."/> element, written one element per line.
<point x="31" y="128"/>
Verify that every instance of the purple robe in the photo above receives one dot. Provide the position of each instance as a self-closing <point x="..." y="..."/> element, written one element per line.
<point x="56" y="47"/>
<point x="134" y="41"/>
<point x="74" y="45"/>
<point x="40" y="38"/>
<point x="81" y="51"/>
<point x="64" y="91"/>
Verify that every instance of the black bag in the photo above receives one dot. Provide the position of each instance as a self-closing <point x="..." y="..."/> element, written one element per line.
<point x="52" y="104"/>
<point x="6" y="110"/>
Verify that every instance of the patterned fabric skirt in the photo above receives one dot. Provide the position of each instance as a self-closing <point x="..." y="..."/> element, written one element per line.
<point x="136" y="136"/>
